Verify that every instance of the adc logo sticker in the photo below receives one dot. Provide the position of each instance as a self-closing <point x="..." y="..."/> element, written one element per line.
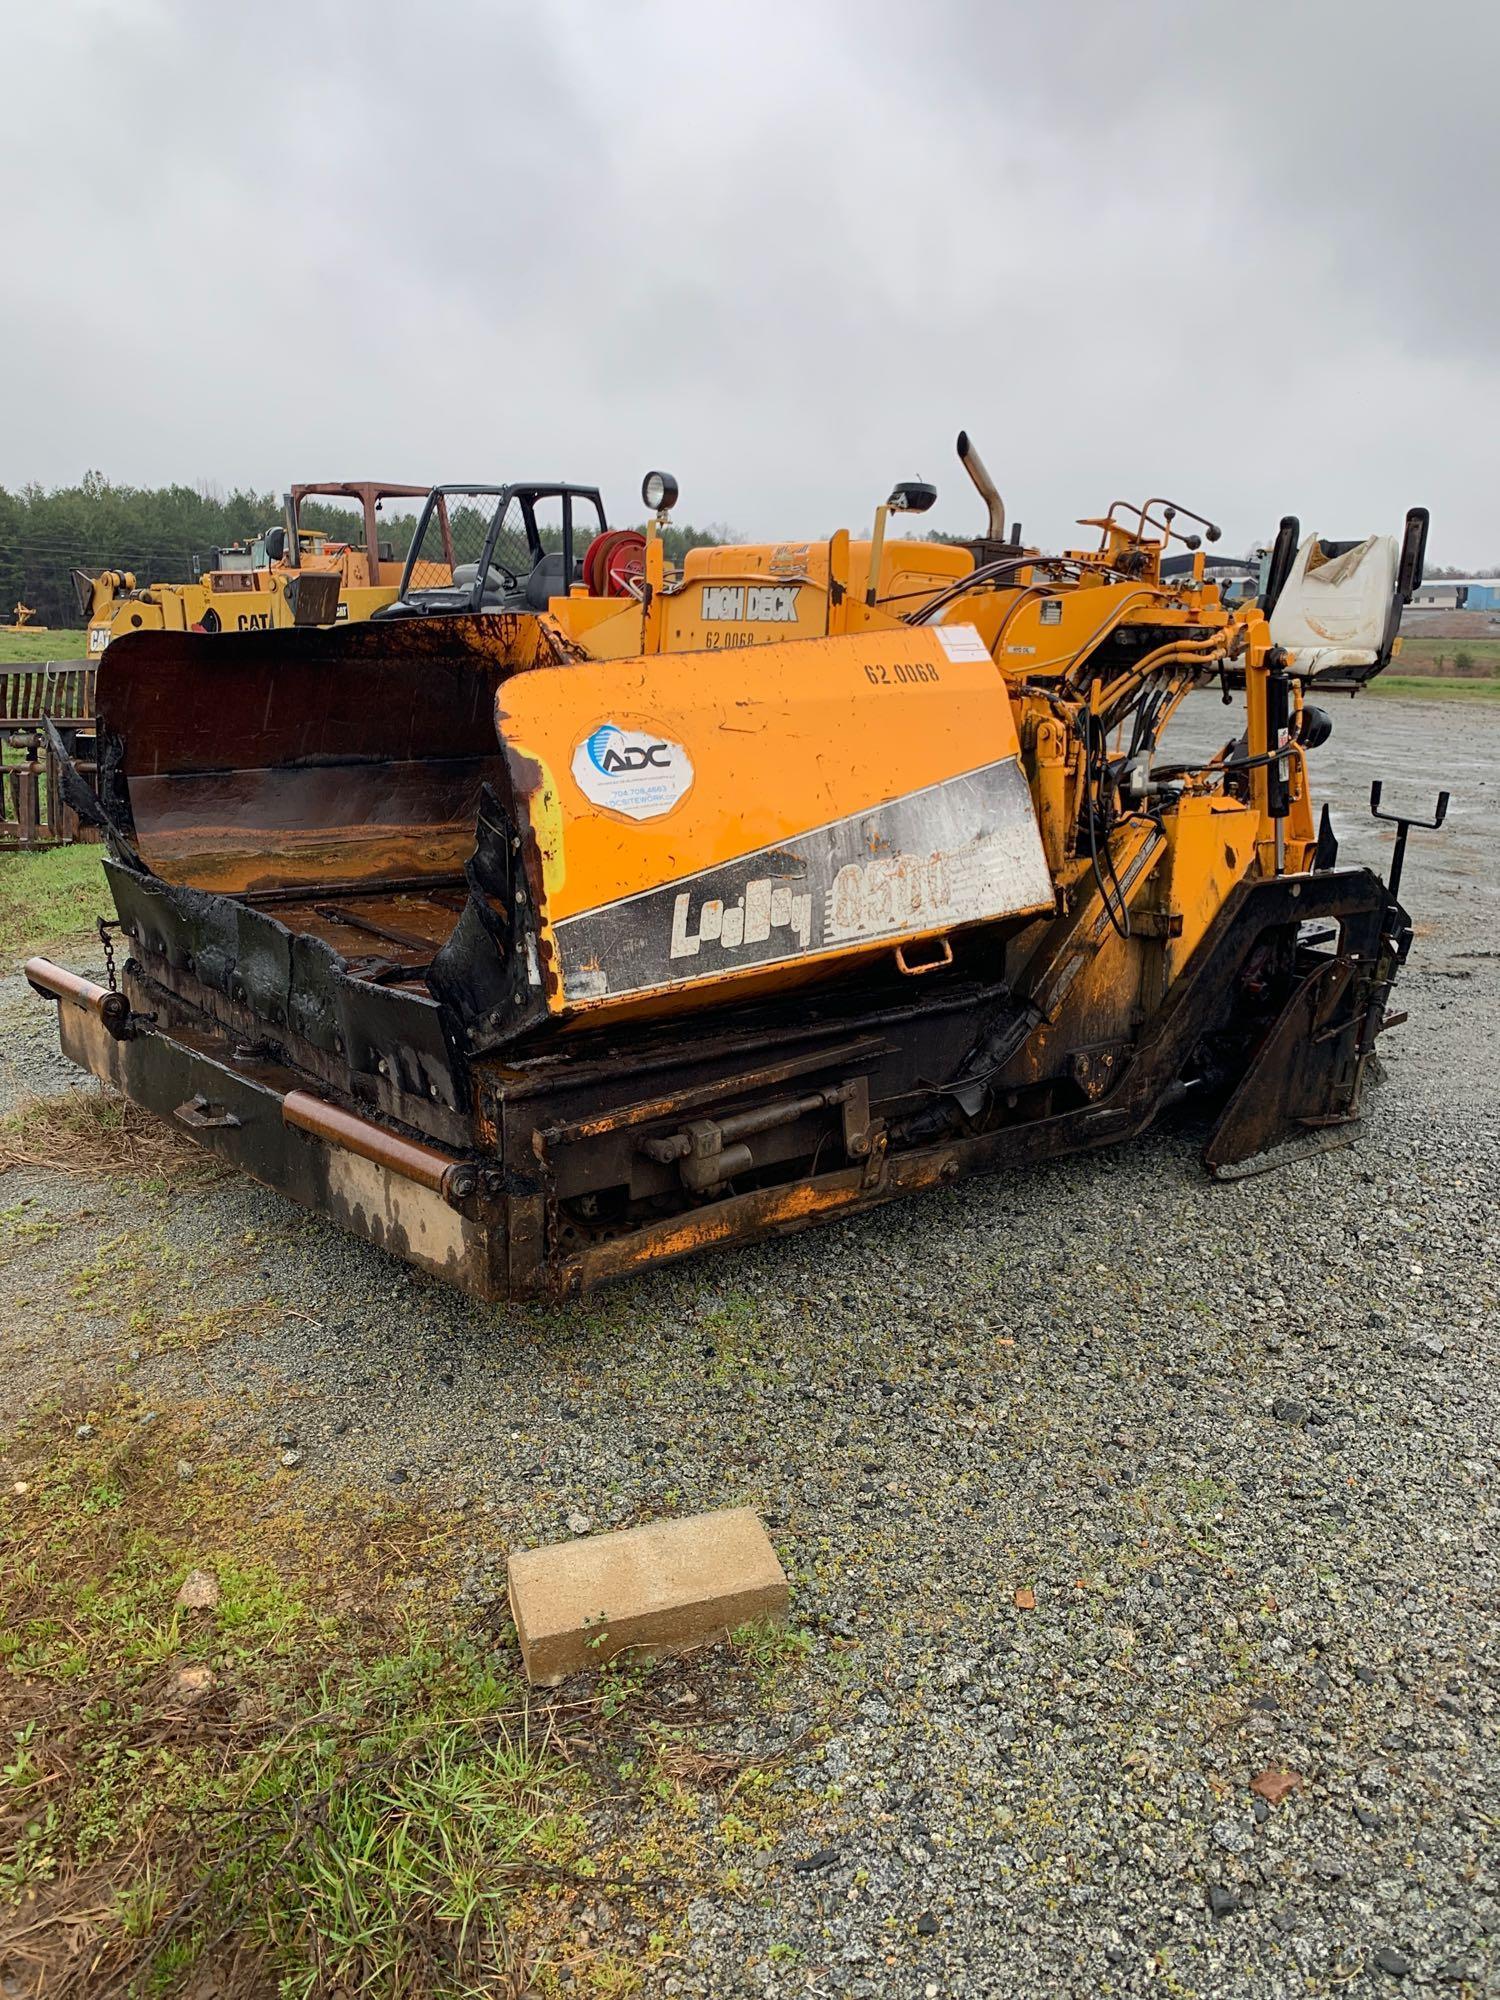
<point x="638" y="772"/>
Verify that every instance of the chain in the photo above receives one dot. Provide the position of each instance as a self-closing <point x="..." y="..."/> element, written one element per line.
<point x="105" y="927"/>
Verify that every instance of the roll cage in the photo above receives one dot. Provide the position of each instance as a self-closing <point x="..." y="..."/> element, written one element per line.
<point x="369" y="493"/>
<point x="488" y="583"/>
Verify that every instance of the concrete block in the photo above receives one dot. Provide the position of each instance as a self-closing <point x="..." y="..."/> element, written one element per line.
<point x="656" y="1589"/>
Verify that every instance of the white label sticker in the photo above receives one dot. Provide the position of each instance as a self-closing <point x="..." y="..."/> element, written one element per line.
<point x="98" y="638"/>
<point x="632" y="771"/>
<point x="962" y="642"/>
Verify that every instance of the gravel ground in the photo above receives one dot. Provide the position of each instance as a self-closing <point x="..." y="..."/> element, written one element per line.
<point x="1104" y="1490"/>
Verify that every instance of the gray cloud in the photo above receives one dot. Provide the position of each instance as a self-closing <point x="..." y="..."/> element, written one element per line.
<point x="1239" y="255"/>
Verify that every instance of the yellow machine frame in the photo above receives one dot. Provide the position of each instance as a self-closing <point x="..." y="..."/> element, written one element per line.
<point x="539" y="944"/>
<point x="259" y="595"/>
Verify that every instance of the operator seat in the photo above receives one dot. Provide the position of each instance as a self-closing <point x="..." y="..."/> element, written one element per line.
<point x="1338" y="604"/>
<point x="497" y="593"/>
<point x="548" y="580"/>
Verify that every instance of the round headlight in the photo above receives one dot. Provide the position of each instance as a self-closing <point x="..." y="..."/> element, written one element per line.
<point x="912" y="496"/>
<point x="659" y="491"/>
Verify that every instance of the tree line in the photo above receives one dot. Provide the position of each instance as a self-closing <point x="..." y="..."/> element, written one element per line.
<point x="160" y="533"/>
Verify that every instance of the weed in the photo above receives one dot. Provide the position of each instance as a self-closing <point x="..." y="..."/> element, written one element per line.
<point x="767" y="1644"/>
<point x="32" y="1859"/>
<point x="99" y="1496"/>
<point x="21" y="1229"/>
<point x="349" y="1805"/>
<point x="733" y="1314"/>
<point x="770" y="1650"/>
<point x="622" y="1680"/>
<point x="142" y="1903"/>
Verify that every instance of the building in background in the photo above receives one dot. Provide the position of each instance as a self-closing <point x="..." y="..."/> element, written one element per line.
<point x="1458" y="593"/>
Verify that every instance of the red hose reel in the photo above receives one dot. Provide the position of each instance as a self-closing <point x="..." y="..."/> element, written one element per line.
<point x="614" y="562"/>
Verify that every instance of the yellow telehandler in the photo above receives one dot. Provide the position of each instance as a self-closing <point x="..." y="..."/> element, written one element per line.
<point x="294" y="574"/>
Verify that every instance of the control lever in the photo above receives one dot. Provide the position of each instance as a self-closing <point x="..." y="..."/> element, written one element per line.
<point x="1403" y="825"/>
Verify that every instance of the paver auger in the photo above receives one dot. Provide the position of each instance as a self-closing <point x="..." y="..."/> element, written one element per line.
<point x="550" y="925"/>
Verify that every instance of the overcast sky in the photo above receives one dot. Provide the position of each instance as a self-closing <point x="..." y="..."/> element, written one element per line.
<point x="1244" y="256"/>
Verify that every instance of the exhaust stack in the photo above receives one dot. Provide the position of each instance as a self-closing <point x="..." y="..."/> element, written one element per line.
<point x="973" y="464"/>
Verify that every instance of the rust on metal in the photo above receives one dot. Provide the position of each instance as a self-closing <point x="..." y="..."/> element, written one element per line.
<point x="113" y="1009"/>
<point x="573" y="962"/>
<point x="337" y="1127"/>
<point x="651" y="1110"/>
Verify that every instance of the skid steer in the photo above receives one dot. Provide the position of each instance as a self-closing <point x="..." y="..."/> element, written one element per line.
<point x="574" y="914"/>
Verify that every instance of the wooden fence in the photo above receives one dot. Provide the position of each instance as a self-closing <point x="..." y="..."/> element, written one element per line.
<point x="32" y="812"/>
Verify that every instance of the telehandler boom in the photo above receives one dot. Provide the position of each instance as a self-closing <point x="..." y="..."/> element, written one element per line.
<point x="574" y="913"/>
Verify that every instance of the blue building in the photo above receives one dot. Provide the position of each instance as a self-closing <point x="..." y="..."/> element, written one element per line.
<point x="1458" y="593"/>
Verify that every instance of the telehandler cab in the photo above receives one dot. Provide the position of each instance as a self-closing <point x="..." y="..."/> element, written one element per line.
<point x="552" y="924"/>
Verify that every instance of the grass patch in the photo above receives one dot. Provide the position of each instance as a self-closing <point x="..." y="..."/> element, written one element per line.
<point x="266" y="1787"/>
<point x="327" y="1782"/>
<point x="94" y="1134"/>
<point x="1431" y="687"/>
<point x="21" y="646"/>
<point x="1436" y="653"/>
<point x="49" y="898"/>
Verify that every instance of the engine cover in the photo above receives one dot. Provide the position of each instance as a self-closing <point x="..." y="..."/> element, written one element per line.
<point x="706" y="818"/>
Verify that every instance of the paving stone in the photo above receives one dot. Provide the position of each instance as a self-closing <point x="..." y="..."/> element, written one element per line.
<point x="655" y="1589"/>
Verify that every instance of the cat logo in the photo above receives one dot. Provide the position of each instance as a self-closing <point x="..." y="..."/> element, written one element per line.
<point x="755" y="603"/>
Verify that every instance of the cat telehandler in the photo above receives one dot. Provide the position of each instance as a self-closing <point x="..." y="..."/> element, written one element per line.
<point x="554" y="923"/>
<point x="293" y="574"/>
